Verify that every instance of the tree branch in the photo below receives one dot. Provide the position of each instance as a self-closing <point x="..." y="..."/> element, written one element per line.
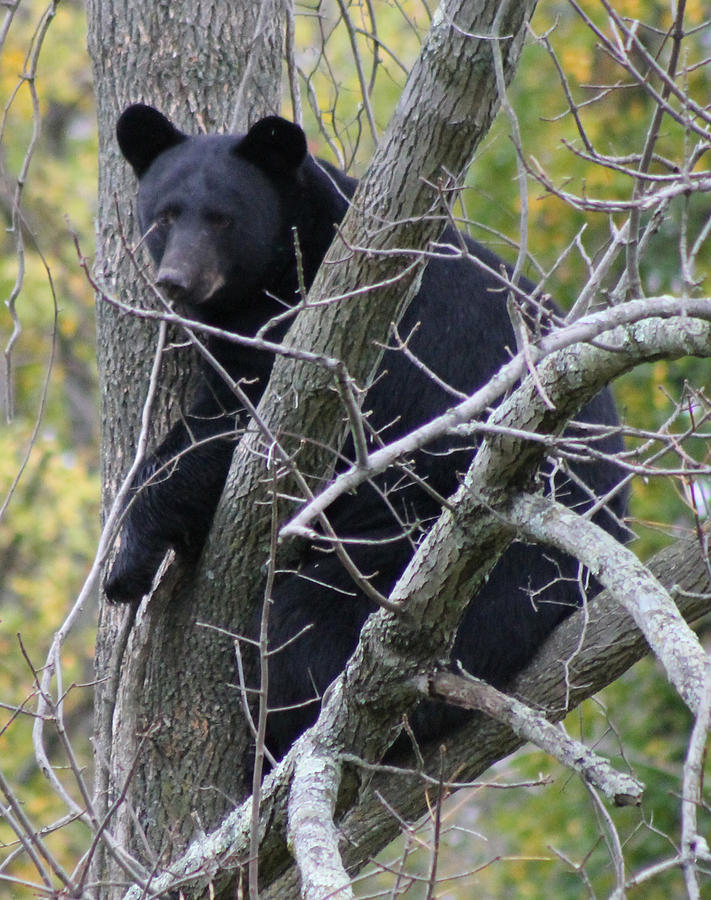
<point x="391" y="211"/>
<point x="694" y="845"/>
<point x="311" y="833"/>
<point x="472" y="693"/>
<point x="645" y="338"/>
<point x="618" y="569"/>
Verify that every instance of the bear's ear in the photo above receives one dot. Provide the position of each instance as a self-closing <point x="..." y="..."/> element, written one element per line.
<point x="143" y="133"/>
<point x="274" y="144"/>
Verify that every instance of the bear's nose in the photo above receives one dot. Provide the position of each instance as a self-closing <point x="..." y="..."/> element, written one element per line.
<point x="173" y="283"/>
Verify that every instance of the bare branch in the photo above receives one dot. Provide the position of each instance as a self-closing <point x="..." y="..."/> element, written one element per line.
<point x="633" y="344"/>
<point x="471" y="693"/>
<point x="694" y="846"/>
<point x="311" y="832"/>
<point x="618" y="569"/>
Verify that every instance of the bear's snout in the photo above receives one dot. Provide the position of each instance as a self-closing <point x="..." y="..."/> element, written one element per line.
<point x="174" y="283"/>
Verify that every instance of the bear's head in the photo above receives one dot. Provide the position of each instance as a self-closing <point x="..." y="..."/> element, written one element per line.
<point x="217" y="212"/>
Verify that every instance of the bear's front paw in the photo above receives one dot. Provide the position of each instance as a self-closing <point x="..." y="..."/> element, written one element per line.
<point x="131" y="575"/>
<point x="125" y="588"/>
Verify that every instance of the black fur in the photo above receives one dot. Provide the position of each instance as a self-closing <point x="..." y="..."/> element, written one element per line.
<point x="224" y="208"/>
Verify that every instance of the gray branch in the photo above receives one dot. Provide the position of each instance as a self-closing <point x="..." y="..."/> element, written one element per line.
<point x="628" y="580"/>
<point x="472" y="693"/>
<point x="644" y="320"/>
<point x="311" y="832"/>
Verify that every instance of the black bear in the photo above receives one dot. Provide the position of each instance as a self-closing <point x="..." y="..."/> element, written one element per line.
<point x="218" y="213"/>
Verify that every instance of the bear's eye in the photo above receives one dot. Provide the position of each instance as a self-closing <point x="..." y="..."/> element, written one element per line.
<point x="219" y="220"/>
<point x="165" y="218"/>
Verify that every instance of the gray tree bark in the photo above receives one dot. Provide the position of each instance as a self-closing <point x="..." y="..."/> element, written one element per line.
<point x="189" y="59"/>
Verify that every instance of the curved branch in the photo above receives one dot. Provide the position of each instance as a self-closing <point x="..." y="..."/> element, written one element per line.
<point x="472" y="693"/>
<point x="652" y="333"/>
<point x="630" y="582"/>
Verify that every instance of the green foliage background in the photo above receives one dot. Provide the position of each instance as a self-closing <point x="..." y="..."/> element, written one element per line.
<point x="49" y="522"/>
<point x="49" y="433"/>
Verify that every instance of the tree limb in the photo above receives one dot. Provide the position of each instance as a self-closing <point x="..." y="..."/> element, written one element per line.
<point x="694" y="845"/>
<point x="618" y="569"/>
<point x="472" y="693"/>
<point x="311" y="832"/>
<point x="644" y="338"/>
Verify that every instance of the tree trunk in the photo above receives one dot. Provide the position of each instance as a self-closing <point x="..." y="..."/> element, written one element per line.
<point x="189" y="59"/>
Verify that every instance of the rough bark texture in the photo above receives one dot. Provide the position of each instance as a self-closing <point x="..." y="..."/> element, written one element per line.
<point x="187" y="58"/>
